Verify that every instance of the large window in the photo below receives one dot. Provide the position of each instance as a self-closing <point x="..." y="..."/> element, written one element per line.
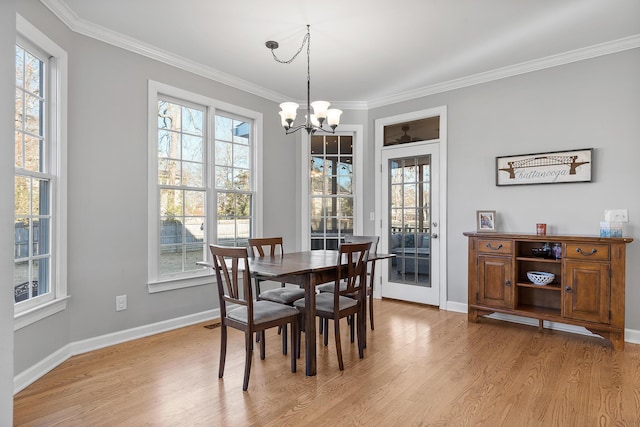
<point x="331" y="190"/>
<point x="202" y="182"/>
<point x="39" y="192"/>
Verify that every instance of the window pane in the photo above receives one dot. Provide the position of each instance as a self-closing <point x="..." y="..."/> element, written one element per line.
<point x="194" y="230"/>
<point x="41" y="236"/>
<point x="192" y="120"/>
<point x="331" y="145"/>
<point x="194" y="203"/>
<point x="223" y="178"/>
<point x="243" y="205"/>
<point x="193" y="254"/>
<point x="168" y="144"/>
<point x="168" y="115"/>
<point x="171" y="203"/>
<point x="244" y="228"/>
<point x="346" y="145"/>
<point x="193" y="148"/>
<point x="19" y="157"/>
<point x="226" y="204"/>
<point x="22" y="196"/>
<point x="19" y="117"/>
<point x="21" y="281"/>
<point x="33" y="112"/>
<point x="170" y="259"/>
<point x="32" y="146"/>
<point x="19" y="66"/>
<point x="226" y="231"/>
<point x="317" y="207"/>
<point x="241" y="179"/>
<point x="33" y="74"/>
<point x="241" y="132"/>
<point x="170" y="231"/>
<point x="241" y="156"/>
<point x="224" y="128"/>
<point x="224" y="153"/>
<point x="21" y="238"/>
<point x="192" y="174"/>
<point x="169" y="172"/>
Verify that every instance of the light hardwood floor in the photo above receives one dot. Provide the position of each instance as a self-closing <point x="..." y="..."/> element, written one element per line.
<point x="422" y="367"/>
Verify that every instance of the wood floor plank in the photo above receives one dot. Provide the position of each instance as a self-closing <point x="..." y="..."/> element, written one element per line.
<point x="422" y="367"/>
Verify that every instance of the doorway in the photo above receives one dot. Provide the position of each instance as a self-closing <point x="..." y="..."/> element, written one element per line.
<point x="411" y="205"/>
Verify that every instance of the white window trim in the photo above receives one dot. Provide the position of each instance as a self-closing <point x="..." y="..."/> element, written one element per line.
<point x="28" y="314"/>
<point x="358" y="140"/>
<point x="156" y="89"/>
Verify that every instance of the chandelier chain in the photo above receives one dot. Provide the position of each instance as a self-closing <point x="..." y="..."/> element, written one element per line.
<point x="305" y="40"/>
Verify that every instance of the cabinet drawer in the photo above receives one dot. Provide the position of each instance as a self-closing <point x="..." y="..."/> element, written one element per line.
<point x="495" y="246"/>
<point x="588" y="251"/>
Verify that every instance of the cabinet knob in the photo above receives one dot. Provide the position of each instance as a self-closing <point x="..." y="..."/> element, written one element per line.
<point x="507" y="283"/>
<point x="567" y="289"/>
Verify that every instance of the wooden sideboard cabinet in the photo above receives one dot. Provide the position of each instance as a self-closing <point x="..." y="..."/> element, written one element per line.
<point x="588" y="289"/>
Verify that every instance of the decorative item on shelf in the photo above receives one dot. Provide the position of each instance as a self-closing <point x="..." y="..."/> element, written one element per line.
<point x="543" y="252"/>
<point x="610" y="229"/>
<point x="321" y="111"/>
<point x="557" y="250"/>
<point x="541" y="229"/>
<point x="486" y="221"/>
<point x="540" y="277"/>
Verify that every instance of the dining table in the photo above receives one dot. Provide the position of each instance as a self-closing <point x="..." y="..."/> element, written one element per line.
<point x="306" y="269"/>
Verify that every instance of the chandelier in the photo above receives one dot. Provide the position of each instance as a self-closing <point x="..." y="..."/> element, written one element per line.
<point x="321" y="112"/>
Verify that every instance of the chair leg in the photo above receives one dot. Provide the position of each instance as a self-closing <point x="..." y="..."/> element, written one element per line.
<point x="362" y="330"/>
<point x="223" y="350"/>
<point x="325" y="321"/>
<point x="262" y="345"/>
<point x="284" y="339"/>
<point x="248" y="357"/>
<point x="294" y="345"/>
<point x="352" y="325"/>
<point x="371" y="309"/>
<point x="336" y="323"/>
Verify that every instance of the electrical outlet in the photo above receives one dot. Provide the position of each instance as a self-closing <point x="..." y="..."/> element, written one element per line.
<point x="616" y="215"/>
<point x="121" y="302"/>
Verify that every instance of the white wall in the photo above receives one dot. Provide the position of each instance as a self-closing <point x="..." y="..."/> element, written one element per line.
<point x="7" y="108"/>
<point x="588" y="104"/>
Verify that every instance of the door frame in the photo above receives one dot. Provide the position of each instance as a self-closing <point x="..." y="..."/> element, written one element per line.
<point x="442" y="199"/>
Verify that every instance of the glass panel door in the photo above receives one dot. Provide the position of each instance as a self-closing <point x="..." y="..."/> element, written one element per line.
<point x="410" y="218"/>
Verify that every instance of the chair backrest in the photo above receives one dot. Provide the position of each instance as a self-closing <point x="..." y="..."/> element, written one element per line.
<point x="349" y="238"/>
<point x="353" y="258"/>
<point x="226" y="261"/>
<point x="266" y="246"/>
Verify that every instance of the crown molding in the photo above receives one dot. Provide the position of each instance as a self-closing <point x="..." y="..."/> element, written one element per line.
<point x="84" y="27"/>
<point x="627" y="43"/>
<point x="89" y="29"/>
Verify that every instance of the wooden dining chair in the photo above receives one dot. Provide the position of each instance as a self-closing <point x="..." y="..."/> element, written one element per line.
<point x="328" y="287"/>
<point x="348" y="296"/>
<point x="234" y="287"/>
<point x="272" y="246"/>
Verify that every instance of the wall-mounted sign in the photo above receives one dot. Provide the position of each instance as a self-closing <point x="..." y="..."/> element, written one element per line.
<point x="545" y="168"/>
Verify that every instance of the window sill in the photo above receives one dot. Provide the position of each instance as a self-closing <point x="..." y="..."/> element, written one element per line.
<point x="28" y="317"/>
<point x="173" y="284"/>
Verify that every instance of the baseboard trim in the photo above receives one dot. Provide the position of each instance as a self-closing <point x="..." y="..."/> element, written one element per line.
<point x="631" y="336"/>
<point x="32" y="374"/>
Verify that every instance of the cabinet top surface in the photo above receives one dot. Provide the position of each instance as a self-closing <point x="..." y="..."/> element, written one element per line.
<point x="548" y="237"/>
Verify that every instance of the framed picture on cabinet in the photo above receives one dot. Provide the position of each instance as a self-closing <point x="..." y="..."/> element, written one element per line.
<point x="486" y="221"/>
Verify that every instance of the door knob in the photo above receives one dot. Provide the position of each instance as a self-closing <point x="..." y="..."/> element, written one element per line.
<point x="434" y="236"/>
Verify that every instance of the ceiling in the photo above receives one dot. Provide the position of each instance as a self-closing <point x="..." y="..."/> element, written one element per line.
<point x="363" y="53"/>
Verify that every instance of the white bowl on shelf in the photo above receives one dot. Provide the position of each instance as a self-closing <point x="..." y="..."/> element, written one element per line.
<point x="540" y="277"/>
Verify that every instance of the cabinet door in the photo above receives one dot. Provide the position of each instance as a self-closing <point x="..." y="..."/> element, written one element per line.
<point x="587" y="291"/>
<point x="495" y="280"/>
